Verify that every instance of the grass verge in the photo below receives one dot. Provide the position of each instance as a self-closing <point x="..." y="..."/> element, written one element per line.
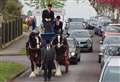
<point x="22" y="51"/>
<point x="9" y="69"/>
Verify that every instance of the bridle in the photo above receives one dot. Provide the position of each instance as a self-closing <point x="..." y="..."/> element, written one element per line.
<point x="38" y="43"/>
<point x="60" y="43"/>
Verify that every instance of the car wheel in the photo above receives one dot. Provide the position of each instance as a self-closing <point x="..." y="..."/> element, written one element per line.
<point x="75" y="62"/>
<point x="99" y="60"/>
<point x="91" y="49"/>
<point x="78" y="59"/>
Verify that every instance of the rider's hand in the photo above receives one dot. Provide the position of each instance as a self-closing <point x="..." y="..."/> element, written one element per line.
<point x="46" y="19"/>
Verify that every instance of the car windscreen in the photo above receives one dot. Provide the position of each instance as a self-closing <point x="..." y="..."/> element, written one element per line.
<point x="80" y="34"/>
<point x="112" y="40"/>
<point x="76" y="19"/>
<point x="111" y="74"/>
<point x="75" y="25"/>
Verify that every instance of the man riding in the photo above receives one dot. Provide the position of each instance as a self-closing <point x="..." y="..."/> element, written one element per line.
<point x="58" y="26"/>
<point x="48" y="19"/>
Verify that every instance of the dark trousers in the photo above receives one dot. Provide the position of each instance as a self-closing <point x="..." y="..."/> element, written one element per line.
<point x="47" y="74"/>
<point x="48" y="70"/>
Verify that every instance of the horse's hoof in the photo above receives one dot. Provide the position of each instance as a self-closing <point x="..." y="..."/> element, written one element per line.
<point x="32" y="75"/>
<point x="37" y="71"/>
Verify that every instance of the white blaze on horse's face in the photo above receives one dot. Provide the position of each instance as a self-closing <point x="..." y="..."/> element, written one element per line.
<point x="37" y="41"/>
<point x="58" y="41"/>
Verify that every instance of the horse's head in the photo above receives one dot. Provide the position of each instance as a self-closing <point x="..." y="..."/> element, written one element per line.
<point x="35" y="39"/>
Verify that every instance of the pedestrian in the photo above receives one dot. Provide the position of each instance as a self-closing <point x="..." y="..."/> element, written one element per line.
<point x="33" y="23"/>
<point x="48" y="56"/>
<point x="58" y="25"/>
<point x="29" y="22"/>
<point x="48" y="19"/>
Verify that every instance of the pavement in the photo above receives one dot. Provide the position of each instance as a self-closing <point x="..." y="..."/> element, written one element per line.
<point x="15" y="47"/>
<point x="12" y="53"/>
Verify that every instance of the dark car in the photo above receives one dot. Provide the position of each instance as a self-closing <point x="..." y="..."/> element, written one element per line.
<point x="74" y="51"/>
<point x="100" y="28"/>
<point x="84" y="38"/>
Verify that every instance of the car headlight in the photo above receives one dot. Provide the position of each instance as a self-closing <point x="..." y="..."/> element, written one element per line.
<point x="72" y="54"/>
<point x="101" y="53"/>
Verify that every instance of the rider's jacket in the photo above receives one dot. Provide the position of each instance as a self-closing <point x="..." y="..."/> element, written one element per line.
<point x="47" y="14"/>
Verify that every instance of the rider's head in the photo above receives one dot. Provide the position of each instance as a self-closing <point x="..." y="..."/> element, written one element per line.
<point x="49" y="7"/>
<point x="58" y="18"/>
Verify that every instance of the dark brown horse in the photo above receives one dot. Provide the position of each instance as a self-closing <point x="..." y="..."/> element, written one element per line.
<point x="33" y="48"/>
<point x="61" y="47"/>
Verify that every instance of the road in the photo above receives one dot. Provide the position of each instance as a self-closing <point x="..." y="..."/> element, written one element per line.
<point x="88" y="70"/>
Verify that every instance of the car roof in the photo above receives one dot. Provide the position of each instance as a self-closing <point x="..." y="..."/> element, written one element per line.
<point x="80" y="30"/>
<point x="114" y="61"/>
<point x="115" y="24"/>
<point x="111" y="33"/>
<point x="112" y="36"/>
<point x="114" y="45"/>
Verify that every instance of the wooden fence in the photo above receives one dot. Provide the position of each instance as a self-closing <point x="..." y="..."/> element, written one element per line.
<point x="9" y="31"/>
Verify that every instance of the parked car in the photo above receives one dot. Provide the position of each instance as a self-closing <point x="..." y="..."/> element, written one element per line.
<point x="76" y="26"/>
<point x="111" y="70"/>
<point x="109" y="40"/>
<point x="100" y="28"/>
<point x="84" y="38"/>
<point x="92" y="22"/>
<point x="110" y="29"/>
<point x="76" y="20"/>
<point x="74" y="51"/>
<point x="112" y="50"/>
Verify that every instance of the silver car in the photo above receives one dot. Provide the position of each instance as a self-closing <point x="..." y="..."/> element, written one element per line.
<point x="84" y="38"/>
<point x="111" y="70"/>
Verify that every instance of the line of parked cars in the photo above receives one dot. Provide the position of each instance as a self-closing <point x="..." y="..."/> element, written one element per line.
<point x="109" y="56"/>
<point x="80" y="39"/>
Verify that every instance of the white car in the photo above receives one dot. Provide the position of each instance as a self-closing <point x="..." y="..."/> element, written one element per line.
<point x="108" y="40"/>
<point x="111" y="70"/>
<point x="112" y="50"/>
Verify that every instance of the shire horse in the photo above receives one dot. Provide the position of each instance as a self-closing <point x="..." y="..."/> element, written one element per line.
<point x="33" y="49"/>
<point x="61" y="47"/>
